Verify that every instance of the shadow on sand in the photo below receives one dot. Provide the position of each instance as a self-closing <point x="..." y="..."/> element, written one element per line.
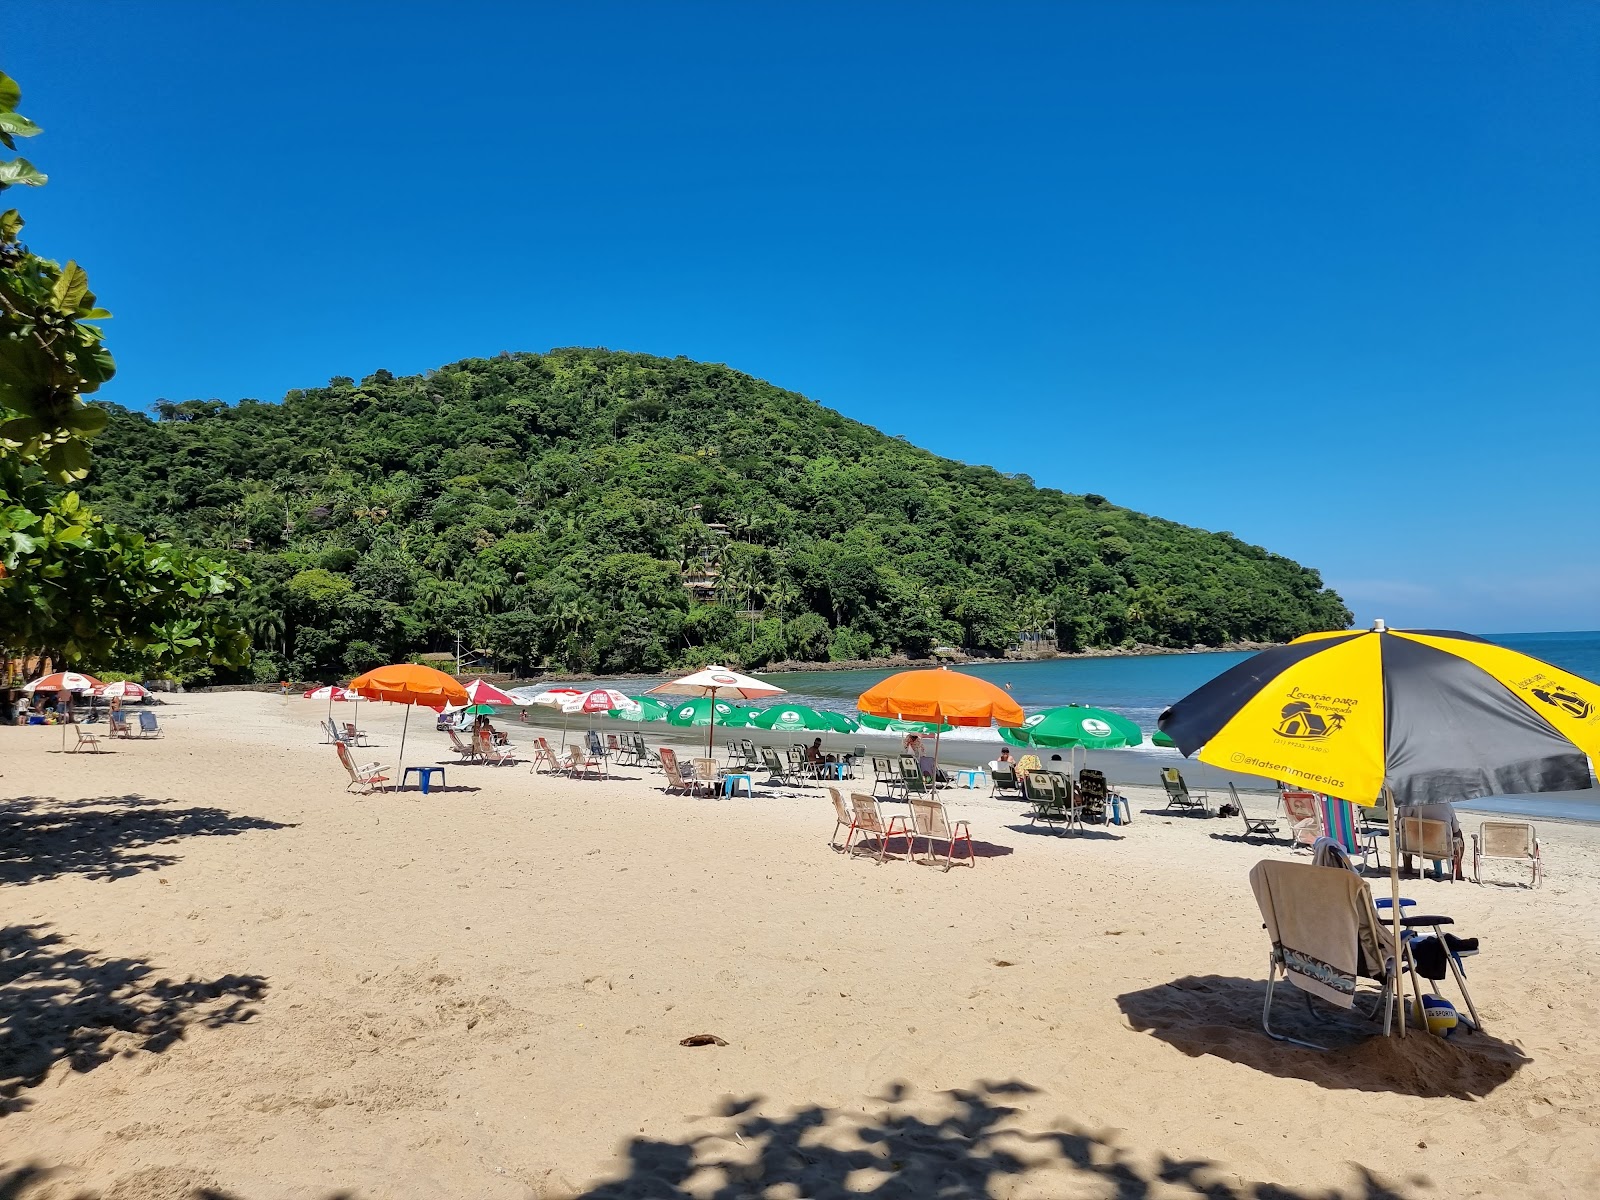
<point x="102" y="837"/>
<point x="958" y="1144"/>
<point x="60" y="1004"/>
<point x="1220" y="1015"/>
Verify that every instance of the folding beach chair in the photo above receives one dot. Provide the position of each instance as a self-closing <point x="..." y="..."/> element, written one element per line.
<point x="1003" y="780"/>
<point x="1266" y="827"/>
<point x="912" y="781"/>
<point x="1514" y="841"/>
<point x="354" y="736"/>
<point x="1430" y="840"/>
<point x="544" y="758"/>
<point x="642" y="754"/>
<point x="843" y="818"/>
<point x="869" y="821"/>
<point x="466" y="751"/>
<point x="86" y="737"/>
<point x="930" y="820"/>
<point x="1179" y="795"/>
<point x="366" y="777"/>
<point x="885" y="776"/>
<point x="1048" y="805"/>
<point x="669" y="765"/>
<point x="1339" y="823"/>
<point x="1305" y="822"/>
<point x="117" y="725"/>
<point x="1325" y="937"/>
<point x="148" y="726"/>
<point x="582" y="763"/>
<point x="774" y="767"/>
<point x="1066" y="797"/>
<point x="707" y="776"/>
<point x="498" y="756"/>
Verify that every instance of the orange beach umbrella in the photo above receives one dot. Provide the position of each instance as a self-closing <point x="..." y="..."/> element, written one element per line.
<point x="408" y="684"/>
<point x="944" y="697"/>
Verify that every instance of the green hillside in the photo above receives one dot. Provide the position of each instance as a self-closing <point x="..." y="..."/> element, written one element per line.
<point x="619" y="512"/>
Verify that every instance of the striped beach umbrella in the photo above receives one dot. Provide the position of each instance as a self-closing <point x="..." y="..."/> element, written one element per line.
<point x="1415" y="715"/>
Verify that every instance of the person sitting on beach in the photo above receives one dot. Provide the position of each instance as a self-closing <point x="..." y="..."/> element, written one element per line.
<point x="482" y="727"/>
<point x="1004" y="759"/>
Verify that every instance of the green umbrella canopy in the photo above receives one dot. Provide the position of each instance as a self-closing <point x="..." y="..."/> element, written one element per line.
<point x="1160" y="739"/>
<point x="480" y="710"/>
<point x="798" y="716"/>
<point x="697" y="711"/>
<point x="894" y="725"/>
<point x="653" y="710"/>
<point x="1076" y="725"/>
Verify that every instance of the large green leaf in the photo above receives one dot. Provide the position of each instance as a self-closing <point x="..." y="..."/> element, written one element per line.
<point x="10" y="93"/>
<point x="20" y="170"/>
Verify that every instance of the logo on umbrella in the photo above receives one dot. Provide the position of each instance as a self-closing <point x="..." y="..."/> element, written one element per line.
<point x="1299" y="720"/>
<point x="1559" y="697"/>
<point x="686" y="711"/>
<point x="1095" y="727"/>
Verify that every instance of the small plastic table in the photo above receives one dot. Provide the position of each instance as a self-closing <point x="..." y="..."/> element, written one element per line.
<point x="970" y="779"/>
<point x="424" y="776"/>
<point x="728" y="788"/>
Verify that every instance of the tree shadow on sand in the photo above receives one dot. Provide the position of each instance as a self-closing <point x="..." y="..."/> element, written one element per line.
<point x="60" y="1004"/>
<point x="1219" y="1015"/>
<point x="960" y="1143"/>
<point x="102" y="837"/>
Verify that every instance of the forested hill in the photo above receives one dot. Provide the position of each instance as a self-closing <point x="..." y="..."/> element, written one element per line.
<point x="619" y="512"/>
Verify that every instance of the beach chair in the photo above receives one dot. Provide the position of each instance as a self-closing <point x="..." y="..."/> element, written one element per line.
<point x="335" y="734"/>
<point x="885" y="776"/>
<point x="354" y="736"/>
<point x="1514" y="841"/>
<point x="466" y="750"/>
<point x="1047" y="803"/>
<point x="843" y="818"/>
<point x="365" y="777"/>
<point x="1326" y="936"/>
<point x="1339" y="823"/>
<point x="543" y="756"/>
<point x="1093" y="794"/>
<point x="583" y="762"/>
<point x="497" y="756"/>
<point x="1305" y="822"/>
<point x="86" y="737"/>
<point x="148" y="726"/>
<point x="773" y="765"/>
<point x="642" y="755"/>
<point x="1179" y="795"/>
<point x="1067" y="796"/>
<point x="615" y="750"/>
<point x="869" y="821"/>
<point x="117" y="725"/>
<point x="931" y="820"/>
<point x="675" y="780"/>
<point x="912" y="781"/>
<point x="1266" y="827"/>
<point x="1003" y="780"/>
<point x="707" y="776"/>
<point x="591" y="739"/>
<point x="1428" y="839"/>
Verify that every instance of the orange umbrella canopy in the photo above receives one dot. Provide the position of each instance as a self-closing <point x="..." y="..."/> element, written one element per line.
<point x="410" y="683"/>
<point x="944" y="695"/>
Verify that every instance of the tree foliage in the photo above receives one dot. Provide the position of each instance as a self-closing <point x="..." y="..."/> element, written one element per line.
<point x="71" y="585"/>
<point x="620" y="512"/>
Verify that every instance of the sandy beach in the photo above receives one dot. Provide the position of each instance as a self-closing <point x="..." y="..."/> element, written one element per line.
<point x="223" y="977"/>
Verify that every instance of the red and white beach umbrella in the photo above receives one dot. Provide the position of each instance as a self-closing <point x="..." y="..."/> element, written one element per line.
<point x="479" y="692"/>
<point x="712" y="681"/>
<point x="63" y="681"/>
<point x="598" y="700"/>
<point x="126" y="689"/>
<point x="328" y="691"/>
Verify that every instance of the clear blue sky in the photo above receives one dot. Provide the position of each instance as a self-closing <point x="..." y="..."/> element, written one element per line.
<point x="1327" y="276"/>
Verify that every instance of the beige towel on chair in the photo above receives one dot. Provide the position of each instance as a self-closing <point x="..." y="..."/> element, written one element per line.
<point x="1322" y="924"/>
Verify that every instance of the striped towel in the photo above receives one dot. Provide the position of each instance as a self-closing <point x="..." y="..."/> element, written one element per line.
<point x="1339" y="822"/>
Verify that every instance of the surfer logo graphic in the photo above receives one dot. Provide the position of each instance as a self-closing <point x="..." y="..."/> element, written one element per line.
<point x="1298" y="720"/>
<point x="1559" y="697"/>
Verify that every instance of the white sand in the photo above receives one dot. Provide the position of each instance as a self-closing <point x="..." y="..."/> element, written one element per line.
<point x="222" y="973"/>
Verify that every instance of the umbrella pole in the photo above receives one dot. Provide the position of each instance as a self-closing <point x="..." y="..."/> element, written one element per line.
<point x="711" y="729"/>
<point x="400" y="762"/>
<point x="1394" y="912"/>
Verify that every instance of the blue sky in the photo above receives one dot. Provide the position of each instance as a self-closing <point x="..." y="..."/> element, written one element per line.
<point x="1327" y="276"/>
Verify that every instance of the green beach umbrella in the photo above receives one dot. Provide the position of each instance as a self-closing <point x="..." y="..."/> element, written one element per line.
<point x="697" y="711"/>
<point x="894" y="725"/>
<point x="480" y="710"/>
<point x="1076" y="725"/>
<point x="794" y="717"/>
<point x="1160" y="739"/>
<point x="650" y="709"/>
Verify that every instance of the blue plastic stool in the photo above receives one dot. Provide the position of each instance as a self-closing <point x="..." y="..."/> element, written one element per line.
<point x="729" y="790"/>
<point x="424" y="776"/>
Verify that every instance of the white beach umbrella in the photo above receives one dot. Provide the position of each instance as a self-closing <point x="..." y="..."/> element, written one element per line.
<point x="714" y="681"/>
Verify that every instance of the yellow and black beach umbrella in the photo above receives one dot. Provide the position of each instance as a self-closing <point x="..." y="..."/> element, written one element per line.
<point x="1428" y="715"/>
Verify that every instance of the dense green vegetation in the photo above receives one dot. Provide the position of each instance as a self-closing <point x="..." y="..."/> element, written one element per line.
<point x="557" y="508"/>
